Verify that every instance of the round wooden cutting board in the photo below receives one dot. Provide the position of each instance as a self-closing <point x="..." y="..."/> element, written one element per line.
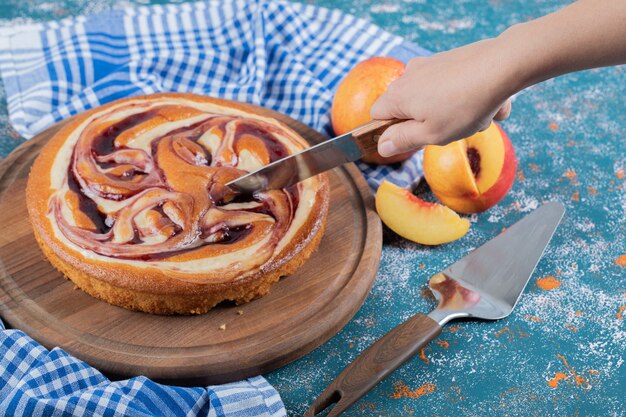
<point x="301" y="312"/>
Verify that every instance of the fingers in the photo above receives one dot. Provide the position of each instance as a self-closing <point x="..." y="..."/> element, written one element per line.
<point x="395" y="102"/>
<point x="392" y="104"/>
<point x="401" y="137"/>
<point x="504" y="111"/>
<point x="484" y="125"/>
<point x="384" y="108"/>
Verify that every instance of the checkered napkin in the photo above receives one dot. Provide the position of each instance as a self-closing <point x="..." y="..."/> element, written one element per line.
<point x="288" y="57"/>
<point x="285" y="56"/>
<point x="38" y="382"/>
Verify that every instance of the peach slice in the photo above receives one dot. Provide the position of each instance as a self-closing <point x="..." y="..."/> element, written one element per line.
<point x="355" y="95"/>
<point x="473" y="174"/>
<point x="416" y="219"/>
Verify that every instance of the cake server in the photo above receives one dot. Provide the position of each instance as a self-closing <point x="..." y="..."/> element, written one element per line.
<point x="314" y="160"/>
<point x="486" y="284"/>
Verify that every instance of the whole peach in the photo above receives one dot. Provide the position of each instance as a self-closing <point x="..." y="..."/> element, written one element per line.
<point x="355" y="95"/>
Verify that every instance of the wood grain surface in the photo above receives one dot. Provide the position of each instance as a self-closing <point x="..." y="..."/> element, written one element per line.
<point x="376" y="363"/>
<point x="301" y="312"/>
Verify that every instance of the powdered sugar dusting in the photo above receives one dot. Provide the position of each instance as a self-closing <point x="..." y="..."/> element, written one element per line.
<point x="562" y="350"/>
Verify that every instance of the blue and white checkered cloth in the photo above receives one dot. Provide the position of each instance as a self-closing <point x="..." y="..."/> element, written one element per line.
<point x="38" y="382"/>
<point x="284" y="56"/>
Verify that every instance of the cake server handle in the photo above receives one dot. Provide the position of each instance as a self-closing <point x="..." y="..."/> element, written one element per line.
<point x="375" y="364"/>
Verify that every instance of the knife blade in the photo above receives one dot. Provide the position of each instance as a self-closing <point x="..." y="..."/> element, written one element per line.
<point x="314" y="160"/>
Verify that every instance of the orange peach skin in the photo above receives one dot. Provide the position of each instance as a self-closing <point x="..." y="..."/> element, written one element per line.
<point x="356" y="94"/>
<point x="473" y="174"/>
<point x="416" y="219"/>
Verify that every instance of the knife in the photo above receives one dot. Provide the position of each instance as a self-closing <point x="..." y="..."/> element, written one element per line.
<point x="486" y="284"/>
<point x="318" y="158"/>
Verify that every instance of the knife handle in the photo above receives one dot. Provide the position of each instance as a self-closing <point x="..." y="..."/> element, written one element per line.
<point x="375" y="364"/>
<point x="366" y="136"/>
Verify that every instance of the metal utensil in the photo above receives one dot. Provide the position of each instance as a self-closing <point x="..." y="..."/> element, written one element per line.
<point x="314" y="160"/>
<point x="486" y="284"/>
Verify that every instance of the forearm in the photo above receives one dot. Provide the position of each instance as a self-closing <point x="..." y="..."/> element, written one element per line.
<point x="586" y="34"/>
<point x="454" y="94"/>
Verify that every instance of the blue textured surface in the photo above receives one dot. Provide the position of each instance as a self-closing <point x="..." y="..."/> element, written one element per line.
<point x="569" y="137"/>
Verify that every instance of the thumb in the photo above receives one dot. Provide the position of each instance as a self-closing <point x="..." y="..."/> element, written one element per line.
<point x="401" y="137"/>
<point x="390" y="104"/>
<point x="382" y="108"/>
<point x="504" y="111"/>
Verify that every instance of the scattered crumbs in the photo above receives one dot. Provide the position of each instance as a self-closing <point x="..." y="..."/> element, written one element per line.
<point x="454" y="328"/>
<point x="534" y="167"/>
<point x="548" y="283"/>
<point x="223" y="327"/>
<point x="571" y="174"/>
<point x="592" y="191"/>
<point x="504" y="330"/>
<point x="454" y="394"/>
<point x="520" y="175"/>
<point x="443" y="344"/>
<point x="579" y="379"/>
<point x="533" y="318"/>
<point x="351" y="345"/>
<point x="423" y="355"/>
<point x="240" y="312"/>
<point x="576" y="197"/>
<point x="363" y="406"/>
<point x="553" y="126"/>
<point x="620" y="312"/>
<point x="422" y="266"/>
<point x="402" y="390"/>
<point x="621" y="261"/>
<point x="571" y="328"/>
<point x="521" y="333"/>
<point x="579" y="313"/>
<point x="619" y="173"/>
<point x="593" y="372"/>
<point x="554" y="382"/>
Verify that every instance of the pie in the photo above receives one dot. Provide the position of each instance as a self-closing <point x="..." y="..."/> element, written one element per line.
<point x="129" y="201"/>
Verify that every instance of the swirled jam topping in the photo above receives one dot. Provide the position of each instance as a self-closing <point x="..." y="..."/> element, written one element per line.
<point x="145" y="182"/>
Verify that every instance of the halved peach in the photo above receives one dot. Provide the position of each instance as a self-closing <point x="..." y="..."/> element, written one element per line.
<point x="416" y="219"/>
<point x="472" y="174"/>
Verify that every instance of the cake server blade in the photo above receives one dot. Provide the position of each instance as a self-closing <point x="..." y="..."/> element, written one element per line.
<point x="314" y="160"/>
<point x="485" y="284"/>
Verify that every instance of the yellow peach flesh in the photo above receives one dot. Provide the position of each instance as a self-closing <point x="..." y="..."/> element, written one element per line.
<point x="490" y="147"/>
<point x="472" y="174"/>
<point x="417" y="220"/>
<point x="448" y="171"/>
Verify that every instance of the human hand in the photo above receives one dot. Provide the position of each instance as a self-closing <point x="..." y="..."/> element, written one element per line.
<point x="446" y="97"/>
